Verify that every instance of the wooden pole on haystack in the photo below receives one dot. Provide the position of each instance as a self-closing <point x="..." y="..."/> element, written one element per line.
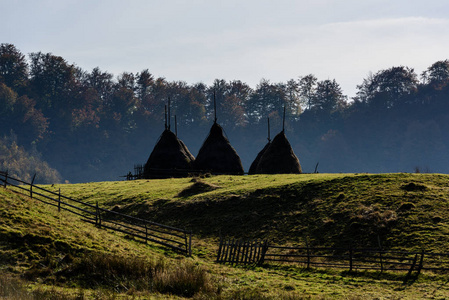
<point x="283" y="121"/>
<point x="176" y="127"/>
<point x="169" y="116"/>
<point x="215" y="108"/>
<point x="269" y="138"/>
<point x="165" y="117"/>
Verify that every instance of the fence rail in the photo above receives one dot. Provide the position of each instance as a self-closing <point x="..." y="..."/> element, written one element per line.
<point x="171" y="237"/>
<point x="237" y="251"/>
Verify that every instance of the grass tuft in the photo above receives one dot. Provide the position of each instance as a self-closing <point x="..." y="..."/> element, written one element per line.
<point x="184" y="280"/>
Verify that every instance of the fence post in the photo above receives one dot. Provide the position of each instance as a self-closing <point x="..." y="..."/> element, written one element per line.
<point x="187" y="242"/>
<point x="97" y="216"/>
<point x="238" y="247"/>
<point x="412" y="266"/>
<point x="420" y="263"/>
<point x="308" y="254"/>
<point x="190" y="243"/>
<point x="264" y="251"/>
<point x="245" y="251"/>
<point x="232" y="246"/>
<point x="350" y="259"/>
<point x="220" y="248"/>
<point x="59" y="200"/>
<point x="226" y="250"/>
<point x="6" y="179"/>
<point x="31" y="186"/>
<point x="381" y="261"/>
<point x="146" y="233"/>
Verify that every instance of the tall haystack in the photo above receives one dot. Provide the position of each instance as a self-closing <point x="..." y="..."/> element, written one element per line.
<point x="279" y="158"/>
<point x="253" y="168"/>
<point x="170" y="158"/>
<point x="216" y="155"/>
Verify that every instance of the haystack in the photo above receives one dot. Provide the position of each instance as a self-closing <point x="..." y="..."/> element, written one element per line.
<point x="216" y="155"/>
<point x="279" y="158"/>
<point x="253" y="168"/>
<point x="170" y="158"/>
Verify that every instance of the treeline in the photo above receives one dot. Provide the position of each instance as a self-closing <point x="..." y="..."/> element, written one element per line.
<point x="90" y="125"/>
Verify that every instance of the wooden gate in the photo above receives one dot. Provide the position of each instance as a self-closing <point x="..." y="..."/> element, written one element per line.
<point x="242" y="252"/>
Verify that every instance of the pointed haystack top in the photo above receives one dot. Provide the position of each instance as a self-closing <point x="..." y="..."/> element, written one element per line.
<point x="279" y="158"/>
<point x="217" y="155"/>
<point x="170" y="158"/>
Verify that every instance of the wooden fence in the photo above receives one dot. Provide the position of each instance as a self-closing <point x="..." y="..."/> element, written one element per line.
<point x="241" y="252"/>
<point x="236" y="251"/>
<point x="171" y="237"/>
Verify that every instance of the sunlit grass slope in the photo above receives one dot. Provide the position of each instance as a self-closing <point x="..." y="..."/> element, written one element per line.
<point x="66" y="258"/>
<point x="407" y="211"/>
<point x="58" y="253"/>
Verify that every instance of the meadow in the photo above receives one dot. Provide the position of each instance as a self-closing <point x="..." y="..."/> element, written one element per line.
<point x="49" y="254"/>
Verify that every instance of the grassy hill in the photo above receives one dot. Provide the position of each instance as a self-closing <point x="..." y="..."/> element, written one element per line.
<point x="63" y="256"/>
<point x="407" y="211"/>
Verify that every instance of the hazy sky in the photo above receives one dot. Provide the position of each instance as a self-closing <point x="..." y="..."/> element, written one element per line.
<point x="199" y="41"/>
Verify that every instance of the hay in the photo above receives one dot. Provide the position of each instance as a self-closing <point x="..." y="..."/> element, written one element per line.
<point x="170" y="158"/>
<point x="279" y="158"/>
<point x="217" y="155"/>
<point x="253" y="168"/>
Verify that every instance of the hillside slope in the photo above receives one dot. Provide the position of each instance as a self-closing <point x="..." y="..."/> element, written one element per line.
<point x="407" y="211"/>
<point x="56" y="251"/>
<point x="57" y="256"/>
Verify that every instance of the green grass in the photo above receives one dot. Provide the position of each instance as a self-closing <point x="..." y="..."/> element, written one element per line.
<point x="404" y="211"/>
<point x="401" y="210"/>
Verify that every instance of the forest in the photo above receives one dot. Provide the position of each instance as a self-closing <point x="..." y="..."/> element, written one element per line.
<point x="67" y="124"/>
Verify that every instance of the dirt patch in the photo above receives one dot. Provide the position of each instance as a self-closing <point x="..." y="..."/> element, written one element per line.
<point x="412" y="187"/>
<point x="406" y="207"/>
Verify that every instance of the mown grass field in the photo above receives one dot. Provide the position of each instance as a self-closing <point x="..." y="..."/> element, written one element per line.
<point x="47" y="251"/>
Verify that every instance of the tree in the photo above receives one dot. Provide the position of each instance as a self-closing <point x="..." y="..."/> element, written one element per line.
<point x="53" y="82"/>
<point x="23" y="164"/>
<point x="328" y="96"/>
<point x="28" y="122"/>
<point x="101" y="83"/>
<point x="195" y="114"/>
<point x="268" y="99"/>
<point x="19" y="115"/>
<point x="231" y="98"/>
<point x="144" y="82"/>
<point x="437" y="74"/>
<point x="13" y="67"/>
<point x="7" y="100"/>
<point x="123" y="102"/>
<point x="293" y="93"/>
<point x="234" y="104"/>
<point x="387" y="87"/>
<point x="307" y="86"/>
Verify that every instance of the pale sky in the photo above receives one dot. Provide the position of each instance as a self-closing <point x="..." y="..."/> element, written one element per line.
<point x="247" y="40"/>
